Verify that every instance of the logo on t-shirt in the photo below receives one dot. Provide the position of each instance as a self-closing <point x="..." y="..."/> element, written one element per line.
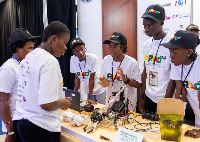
<point x="191" y="86"/>
<point x="151" y="58"/>
<point x="82" y="73"/>
<point x="113" y="77"/>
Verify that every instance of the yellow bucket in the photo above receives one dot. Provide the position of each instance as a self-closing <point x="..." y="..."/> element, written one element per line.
<point x="171" y="127"/>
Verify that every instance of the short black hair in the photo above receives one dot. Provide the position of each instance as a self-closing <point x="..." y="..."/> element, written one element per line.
<point x="193" y="56"/>
<point x="125" y="48"/>
<point x="54" y="28"/>
<point x="19" y="44"/>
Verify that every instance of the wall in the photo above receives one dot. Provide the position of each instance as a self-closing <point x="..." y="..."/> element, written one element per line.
<point x="120" y="16"/>
<point x="90" y="26"/>
<point x="196" y="12"/>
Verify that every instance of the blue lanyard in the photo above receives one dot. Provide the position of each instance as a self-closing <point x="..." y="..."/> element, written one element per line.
<point x="83" y="67"/>
<point x="16" y="59"/>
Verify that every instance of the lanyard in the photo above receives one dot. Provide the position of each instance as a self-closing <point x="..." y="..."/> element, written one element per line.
<point x="116" y="72"/>
<point x="188" y="71"/>
<point x="186" y="75"/>
<point x="16" y="59"/>
<point x="44" y="48"/>
<point x="157" y="50"/>
<point x="83" y="67"/>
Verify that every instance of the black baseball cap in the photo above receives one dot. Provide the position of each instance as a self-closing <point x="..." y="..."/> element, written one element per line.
<point x="20" y="34"/>
<point x="183" y="39"/>
<point x="76" y="41"/>
<point x="192" y="27"/>
<point x="117" y="37"/>
<point x="155" y="12"/>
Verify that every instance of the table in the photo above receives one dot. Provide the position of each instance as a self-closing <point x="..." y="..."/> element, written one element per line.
<point x="108" y="130"/>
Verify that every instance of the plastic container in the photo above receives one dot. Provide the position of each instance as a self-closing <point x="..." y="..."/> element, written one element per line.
<point x="171" y="127"/>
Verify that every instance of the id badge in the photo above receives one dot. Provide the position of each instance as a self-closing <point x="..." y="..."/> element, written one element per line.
<point x="153" y="78"/>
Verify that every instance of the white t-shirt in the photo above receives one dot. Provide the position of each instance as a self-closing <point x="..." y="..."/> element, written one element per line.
<point x="40" y="82"/>
<point x="8" y="83"/>
<point x="86" y="67"/>
<point x="158" y="72"/>
<point x="130" y="69"/>
<point x="198" y="49"/>
<point x="192" y="83"/>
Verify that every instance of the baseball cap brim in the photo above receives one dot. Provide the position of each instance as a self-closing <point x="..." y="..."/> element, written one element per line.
<point x="151" y="17"/>
<point x="30" y="38"/>
<point x="108" y="41"/>
<point x="78" y="42"/>
<point x="193" y="29"/>
<point x="170" y="45"/>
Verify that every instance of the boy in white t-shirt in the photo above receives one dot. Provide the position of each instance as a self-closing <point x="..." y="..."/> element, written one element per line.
<point x="21" y="42"/>
<point x="195" y="29"/>
<point x="85" y="67"/>
<point x="156" y="73"/>
<point x="185" y="67"/>
<point x="40" y="89"/>
<point x="119" y="69"/>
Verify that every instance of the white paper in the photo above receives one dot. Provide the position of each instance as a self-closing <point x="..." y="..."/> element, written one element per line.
<point x="125" y="135"/>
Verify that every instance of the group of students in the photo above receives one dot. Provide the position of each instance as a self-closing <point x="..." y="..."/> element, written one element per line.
<point x="31" y="84"/>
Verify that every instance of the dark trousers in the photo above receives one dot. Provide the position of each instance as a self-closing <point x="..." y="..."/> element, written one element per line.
<point x="189" y="113"/>
<point x="150" y="106"/>
<point x="26" y="131"/>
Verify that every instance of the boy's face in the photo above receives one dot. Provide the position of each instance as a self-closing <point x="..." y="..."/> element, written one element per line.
<point x="115" y="49"/>
<point x="79" y="51"/>
<point x="179" y="56"/>
<point x="28" y="47"/>
<point x="60" y="44"/>
<point x="151" y="27"/>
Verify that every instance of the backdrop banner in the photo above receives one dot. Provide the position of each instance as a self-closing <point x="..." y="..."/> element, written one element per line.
<point x="177" y="18"/>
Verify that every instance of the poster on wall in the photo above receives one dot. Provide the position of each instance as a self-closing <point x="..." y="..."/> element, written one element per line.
<point x="177" y="18"/>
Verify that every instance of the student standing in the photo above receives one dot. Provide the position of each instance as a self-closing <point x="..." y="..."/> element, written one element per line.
<point x="119" y="69"/>
<point x="85" y="67"/>
<point x="195" y="29"/>
<point x="40" y="89"/>
<point x="185" y="67"/>
<point x="156" y="73"/>
<point x="21" y="42"/>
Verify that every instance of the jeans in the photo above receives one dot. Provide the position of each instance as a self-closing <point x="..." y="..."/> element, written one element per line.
<point x="26" y="131"/>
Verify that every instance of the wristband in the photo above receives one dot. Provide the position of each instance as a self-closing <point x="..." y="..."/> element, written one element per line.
<point x="8" y="123"/>
<point x="10" y="133"/>
<point x="128" y="80"/>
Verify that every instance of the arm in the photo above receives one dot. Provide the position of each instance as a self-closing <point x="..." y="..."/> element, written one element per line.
<point x="6" y="114"/>
<point x="103" y="81"/>
<point x="63" y="103"/>
<point x="76" y="83"/>
<point x="91" y="86"/>
<point x="171" y="88"/>
<point x="141" y="100"/>
<point x="178" y="84"/>
<point x="184" y="93"/>
<point x="132" y="83"/>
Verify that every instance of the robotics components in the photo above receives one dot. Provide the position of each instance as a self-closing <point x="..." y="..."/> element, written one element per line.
<point x="96" y="117"/>
<point x="115" y="112"/>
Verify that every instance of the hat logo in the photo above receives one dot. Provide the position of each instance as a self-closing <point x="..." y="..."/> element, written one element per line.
<point x="192" y="27"/>
<point x="115" y="36"/>
<point x="154" y="11"/>
<point x="27" y="32"/>
<point x="176" y="38"/>
<point x="74" y="41"/>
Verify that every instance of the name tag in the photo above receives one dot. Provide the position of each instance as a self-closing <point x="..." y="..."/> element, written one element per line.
<point x="153" y="78"/>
